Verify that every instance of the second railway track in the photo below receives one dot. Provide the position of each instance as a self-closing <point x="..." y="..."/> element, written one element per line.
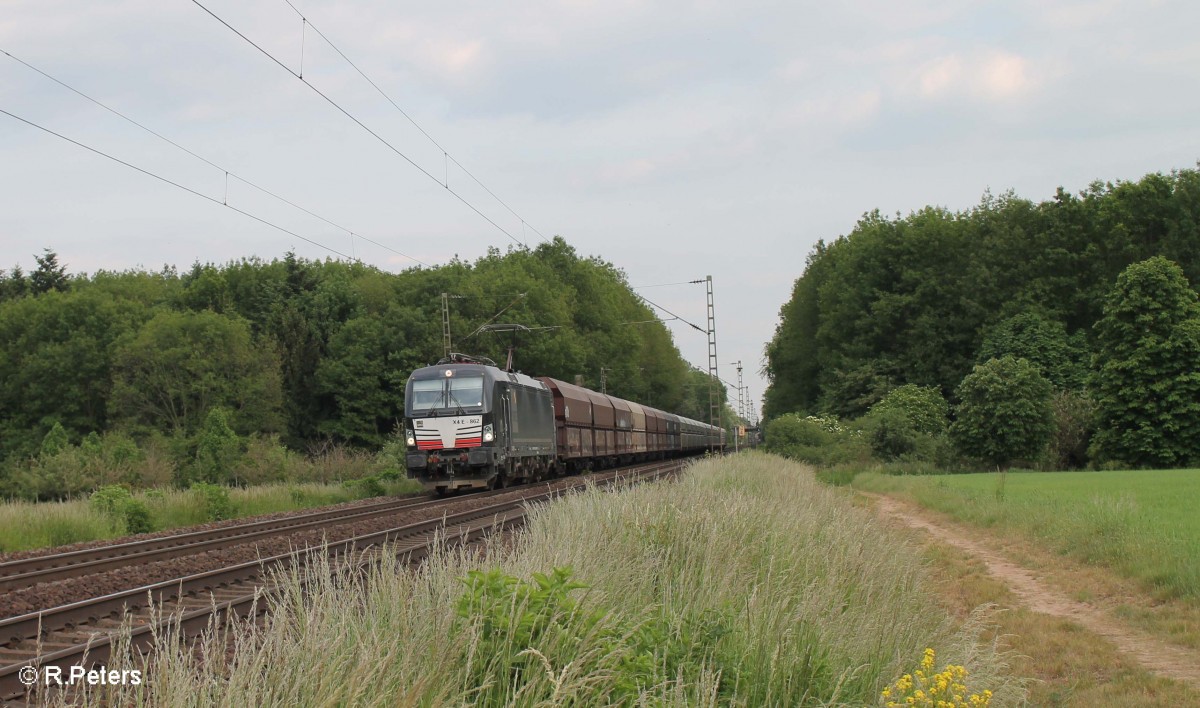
<point x="82" y="632"/>
<point x="46" y="568"/>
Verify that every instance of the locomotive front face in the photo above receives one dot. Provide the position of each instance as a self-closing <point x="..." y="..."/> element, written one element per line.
<point x="450" y="431"/>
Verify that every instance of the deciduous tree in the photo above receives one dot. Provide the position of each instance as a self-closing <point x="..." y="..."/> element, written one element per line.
<point x="1146" y="382"/>
<point x="1004" y="412"/>
<point x="179" y="365"/>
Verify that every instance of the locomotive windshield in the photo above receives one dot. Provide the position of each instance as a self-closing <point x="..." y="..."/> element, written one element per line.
<point x="446" y="394"/>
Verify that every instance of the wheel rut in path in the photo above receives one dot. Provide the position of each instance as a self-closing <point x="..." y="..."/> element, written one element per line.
<point x="1157" y="656"/>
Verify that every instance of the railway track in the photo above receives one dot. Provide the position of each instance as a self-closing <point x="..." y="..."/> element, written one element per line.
<point x="40" y="569"/>
<point x="30" y="571"/>
<point x="82" y="633"/>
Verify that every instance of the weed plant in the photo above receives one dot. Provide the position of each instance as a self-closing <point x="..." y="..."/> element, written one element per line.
<point x="745" y="583"/>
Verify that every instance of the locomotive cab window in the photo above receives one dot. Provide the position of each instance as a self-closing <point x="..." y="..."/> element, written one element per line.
<point x="447" y="394"/>
<point x="427" y="394"/>
<point x="466" y="392"/>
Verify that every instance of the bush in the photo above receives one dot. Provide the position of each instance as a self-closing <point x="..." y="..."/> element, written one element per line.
<point x="215" y="500"/>
<point x="922" y="406"/>
<point x="109" y="499"/>
<point x="891" y="433"/>
<point x="136" y="516"/>
<point x="816" y="440"/>
<point x="792" y="430"/>
<point x="55" y="476"/>
<point x="393" y="455"/>
<point x="368" y="487"/>
<point x="265" y="461"/>
<point x="218" y="449"/>
<point x="117" y="503"/>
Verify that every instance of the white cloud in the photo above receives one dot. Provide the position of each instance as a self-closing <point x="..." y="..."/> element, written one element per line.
<point x="941" y="77"/>
<point x="1003" y="76"/>
<point x="457" y="57"/>
<point x="992" y="77"/>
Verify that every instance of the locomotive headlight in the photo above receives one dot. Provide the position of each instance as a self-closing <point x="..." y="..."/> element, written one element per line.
<point x="488" y="436"/>
<point x="409" y="438"/>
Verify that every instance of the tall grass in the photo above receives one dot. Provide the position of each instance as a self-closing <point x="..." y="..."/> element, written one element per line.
<point x="745" y="583"/>
<point x="1142" y="524"/>
<point x="38" y="525"/>
<point x="25" y="525"/>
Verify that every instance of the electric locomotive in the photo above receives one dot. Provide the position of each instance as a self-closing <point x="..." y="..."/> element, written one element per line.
<point x="469" y="425"/>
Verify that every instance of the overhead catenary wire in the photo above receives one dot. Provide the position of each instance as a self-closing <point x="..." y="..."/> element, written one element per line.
<point x="445" y="153"/>
<point x="189" y="190"/>
<point x="663" y="285"/>
<point x="491" y="319"/>
<point x="362" y="125"/>
<point x="693" y="325"/>
<point x="208" y="162"/>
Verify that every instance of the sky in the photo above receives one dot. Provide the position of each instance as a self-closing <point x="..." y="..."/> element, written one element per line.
<point x="675" y="140"/>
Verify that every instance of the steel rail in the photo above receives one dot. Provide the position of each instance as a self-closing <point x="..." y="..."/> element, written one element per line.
<point x="31" y="571"/>
<point x="416" y="541"/>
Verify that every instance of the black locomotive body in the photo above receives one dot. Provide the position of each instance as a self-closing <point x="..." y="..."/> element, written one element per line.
<point x="472" y="425"/>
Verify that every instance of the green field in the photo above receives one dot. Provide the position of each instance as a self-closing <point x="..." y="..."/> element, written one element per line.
<point x="1143" y="524"/>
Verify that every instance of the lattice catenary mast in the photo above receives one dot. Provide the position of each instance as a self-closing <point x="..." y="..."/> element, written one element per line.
<point x="714" y="403"/>
<point x="741" y="397"/>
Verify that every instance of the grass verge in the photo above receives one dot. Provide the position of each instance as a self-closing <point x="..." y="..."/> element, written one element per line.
<point x="747" y="582"/>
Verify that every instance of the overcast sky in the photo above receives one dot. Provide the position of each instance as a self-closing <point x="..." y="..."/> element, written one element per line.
<point x="676" y="140"/>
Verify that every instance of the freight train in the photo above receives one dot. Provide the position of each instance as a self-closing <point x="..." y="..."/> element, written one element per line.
<point x="470" y="425"/>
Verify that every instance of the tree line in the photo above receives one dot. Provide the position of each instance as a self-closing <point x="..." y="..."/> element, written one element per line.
<point x="307" y="353"/>
<point x="1062" y="333"/>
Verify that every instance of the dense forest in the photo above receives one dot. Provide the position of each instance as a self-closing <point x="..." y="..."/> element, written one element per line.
<point x="1088" y="289"/>
<point x="306" y="353"/>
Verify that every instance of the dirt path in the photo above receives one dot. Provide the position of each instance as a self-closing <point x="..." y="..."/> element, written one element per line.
<point x="1155" y="655"/>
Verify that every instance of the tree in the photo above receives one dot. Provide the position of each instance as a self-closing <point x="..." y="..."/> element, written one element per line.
<point x="364" y="374"/>
<point x="1146" y="384"/>
<point x="850" y="394"/>
<point x="911" y="299"/>
<point x="1004" y="412"/>
<point x="1043" y="342"/>
<point x="13" y="285"/>
<point x="55" y="364"/>
<point x="55" y="441"/>
<point x="179" y="365"/>
<point x="49" y="275"/>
